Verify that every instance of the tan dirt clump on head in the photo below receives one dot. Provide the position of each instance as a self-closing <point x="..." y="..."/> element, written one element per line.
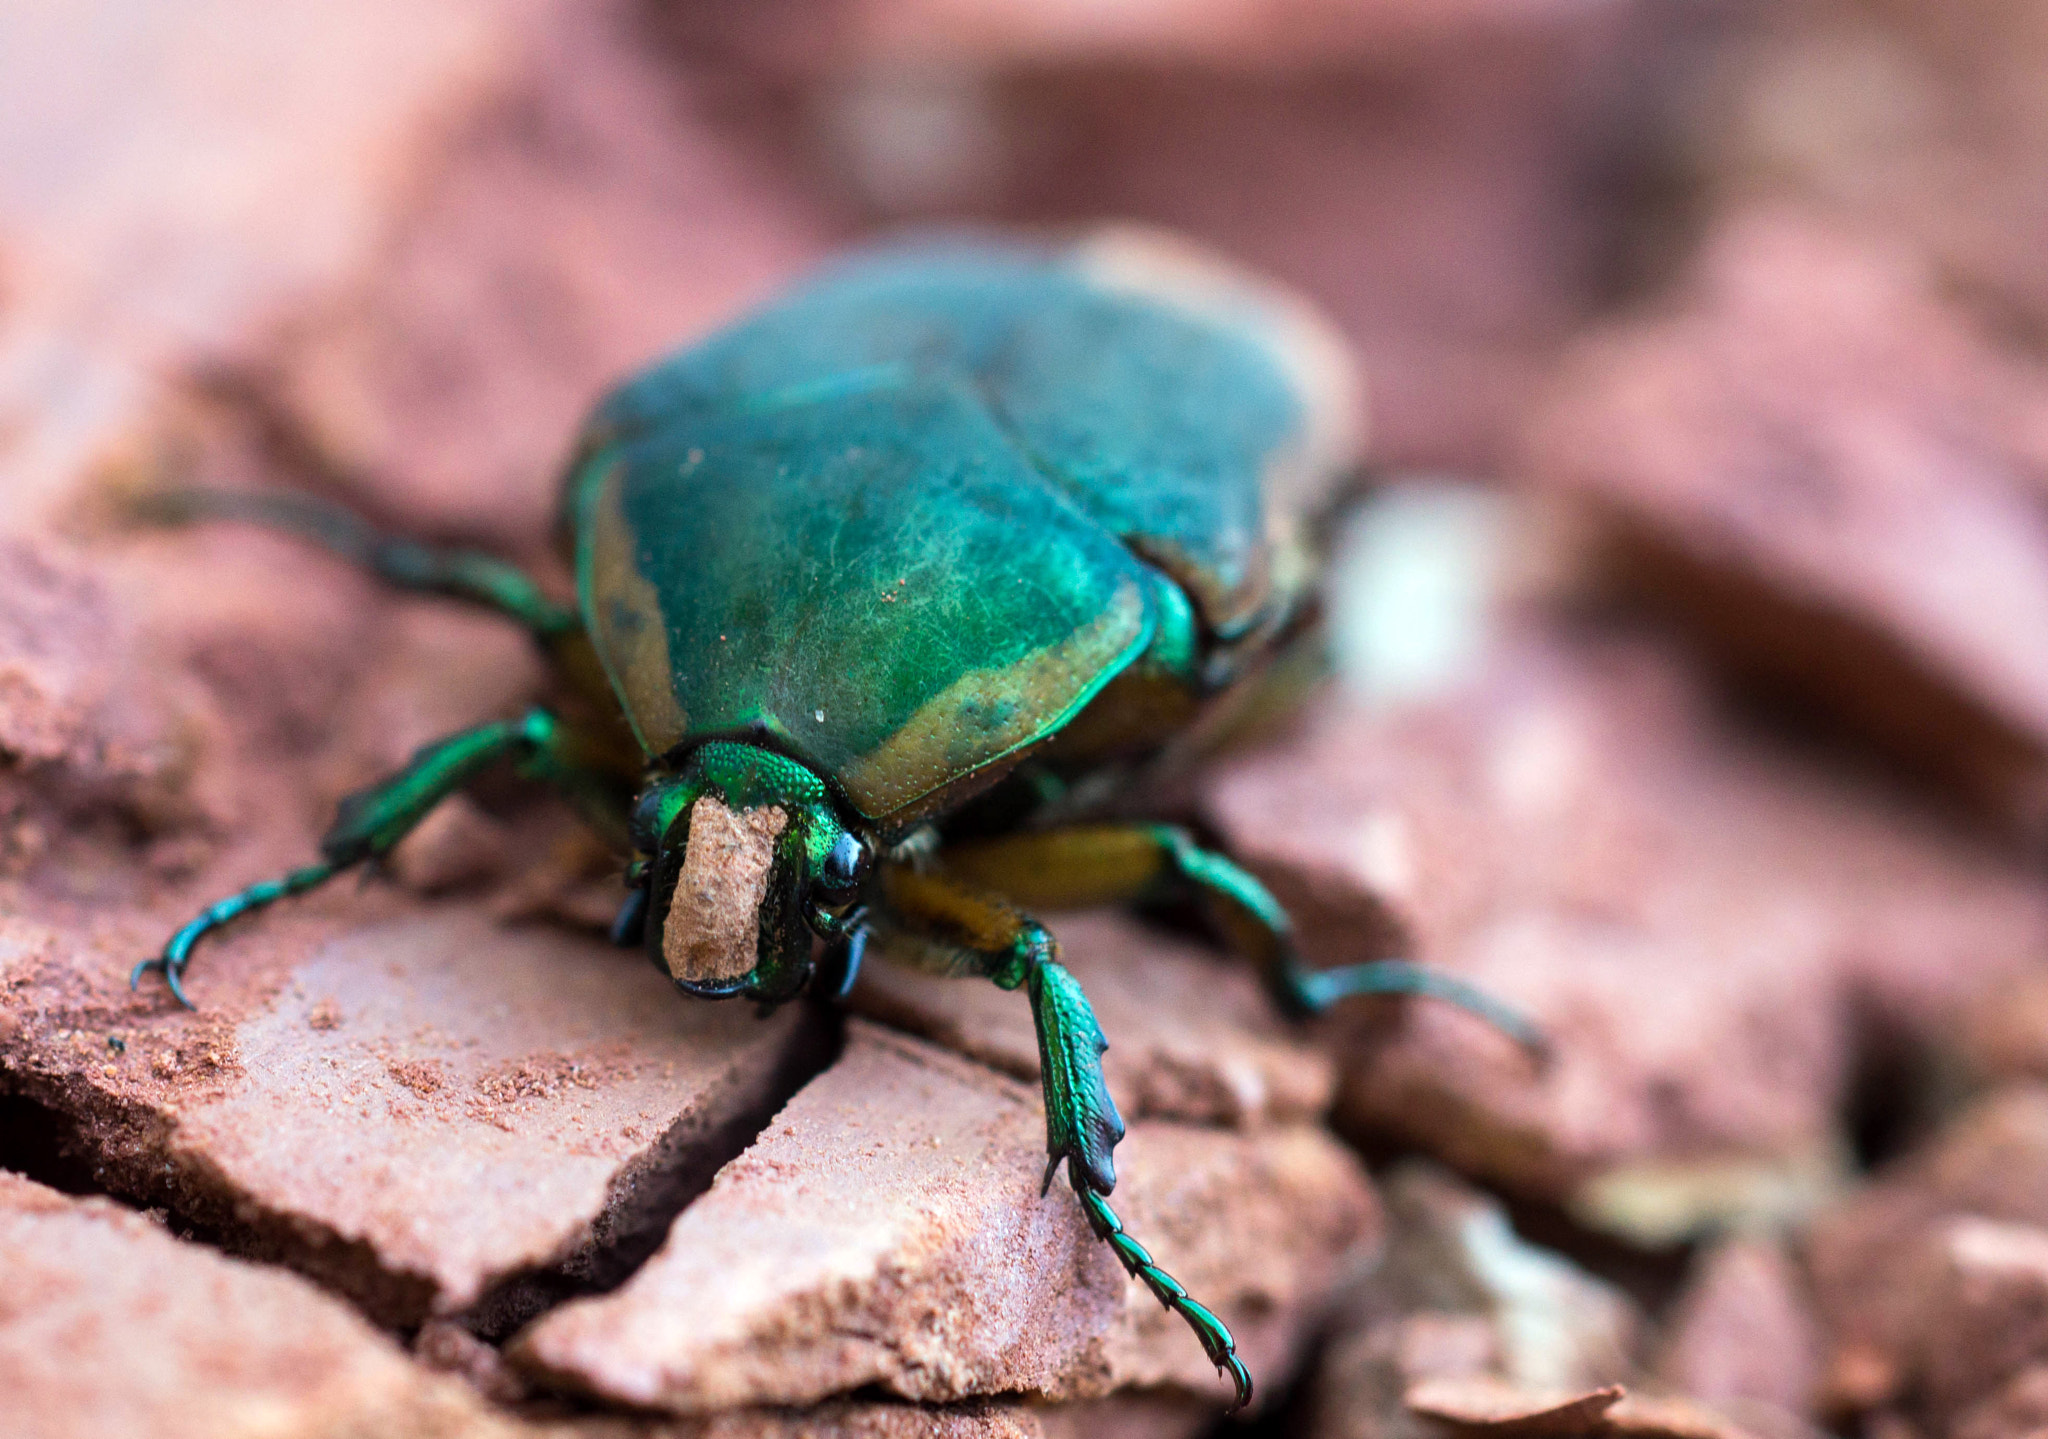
<point x="712" y="933"/>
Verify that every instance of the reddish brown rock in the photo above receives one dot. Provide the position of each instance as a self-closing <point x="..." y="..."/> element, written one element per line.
<point x="1138" y="1416"/>
<point x="2004" y="1034"/>
<point x="1489" y="1406"/>
<point x="1481" y="1406"/>
<point x="829" y="1421"/>
<point x="1146" y="1415"/>
<point x="598" y="212"/>
<point x="1697" y="922"/>
<point x="1966" y="1312"/>
<point x="108" y="1325"/>
<point x="1923" y="122"/>
<point x="1252" y="35"/>
<point x="887" y="1230"/>
<point x="1930" y="1281"/>
<point x="1985" y="1315"/>
<point x="1668" y="1416"/>
<point x="2018" y="1408"/>
<point x="1458" y="1300"/>
<point x="421" y="1110"/>
<point x="1830" y="473"/>
<point x="124" y="256"/>
<point x="1744" y="1330"/>
<point x="1192" y="1036"/>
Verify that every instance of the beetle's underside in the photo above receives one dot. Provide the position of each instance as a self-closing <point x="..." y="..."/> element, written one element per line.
<point x="879" y="591"/>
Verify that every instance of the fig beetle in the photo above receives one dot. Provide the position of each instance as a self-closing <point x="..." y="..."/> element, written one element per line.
<point x="884" y="593"/>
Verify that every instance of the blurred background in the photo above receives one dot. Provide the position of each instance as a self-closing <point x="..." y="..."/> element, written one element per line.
<point x="1692" y="620"/>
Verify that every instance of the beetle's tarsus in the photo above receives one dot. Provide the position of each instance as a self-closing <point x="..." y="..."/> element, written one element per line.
<point x="848" y="954"/>
<point x="178" y="952"/>
<point x="1216" y="1339"/>
<point x="1318" y="989"/>
<point x="172" y="981"/>
<point x="1241" y="1381"/>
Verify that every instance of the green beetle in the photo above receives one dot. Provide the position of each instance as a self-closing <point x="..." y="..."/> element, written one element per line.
<point x="892" y="584"/>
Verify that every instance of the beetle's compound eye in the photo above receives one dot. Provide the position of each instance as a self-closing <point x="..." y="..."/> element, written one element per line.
<point x="845" y="868"/>
<point x="655" y="811"/>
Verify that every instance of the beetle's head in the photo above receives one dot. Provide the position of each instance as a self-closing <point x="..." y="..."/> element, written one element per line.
<point x="745" y="859"/>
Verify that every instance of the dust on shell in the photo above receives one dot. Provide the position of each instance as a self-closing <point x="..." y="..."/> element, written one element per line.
<point x="713" y="925"/>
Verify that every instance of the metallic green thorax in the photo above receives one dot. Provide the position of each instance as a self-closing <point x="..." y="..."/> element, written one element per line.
<point x="896" y="523"/>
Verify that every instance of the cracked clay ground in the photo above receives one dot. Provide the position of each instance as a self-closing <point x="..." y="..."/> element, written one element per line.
<point x="1709" y="392"/>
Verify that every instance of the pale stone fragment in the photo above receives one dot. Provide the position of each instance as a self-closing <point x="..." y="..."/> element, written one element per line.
<point x="887" y="1229"/>
<point x="108" y="1325"/>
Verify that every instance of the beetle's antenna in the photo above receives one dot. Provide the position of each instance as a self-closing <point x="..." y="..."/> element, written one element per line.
<point x="1214" y="1334"/>
<point x="853" y="948"/>
<point x="629" y="926"/>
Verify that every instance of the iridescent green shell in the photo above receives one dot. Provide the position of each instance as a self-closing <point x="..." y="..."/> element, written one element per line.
<point x="913" y="517"/>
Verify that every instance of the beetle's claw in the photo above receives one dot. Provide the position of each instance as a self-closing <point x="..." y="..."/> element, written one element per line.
<point x="173" y="978"/>
<point x="1241" y="1378"/>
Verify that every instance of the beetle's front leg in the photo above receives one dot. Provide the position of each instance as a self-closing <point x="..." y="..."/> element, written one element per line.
<point x="371" y="822"/>
<point x="952" y="928"/>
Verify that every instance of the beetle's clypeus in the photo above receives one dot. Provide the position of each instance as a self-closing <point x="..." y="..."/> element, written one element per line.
<point x="881" y="590"/>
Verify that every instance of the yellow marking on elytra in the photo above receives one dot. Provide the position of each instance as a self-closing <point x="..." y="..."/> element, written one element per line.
<point x="1299" y="477"/>
<point x="1310" y="351"/>
<point x="632" y="636"/>
<point x="986" y="713"/>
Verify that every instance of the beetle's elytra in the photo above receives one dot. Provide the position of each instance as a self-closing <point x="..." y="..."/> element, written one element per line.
<point x="880" y="592"/>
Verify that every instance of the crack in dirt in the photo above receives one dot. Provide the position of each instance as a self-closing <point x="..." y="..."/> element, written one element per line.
<point x="645" y="1198"/>
<point x="84" y="1149"/>
<point x="41" y="1143"/>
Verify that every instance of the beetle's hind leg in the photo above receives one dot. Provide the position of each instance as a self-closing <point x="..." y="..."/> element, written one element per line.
<point x="370" y="823"/>
<point x="406" y="564"/>
<point x="1108" y="863"/>
<point x="952" y="928"/>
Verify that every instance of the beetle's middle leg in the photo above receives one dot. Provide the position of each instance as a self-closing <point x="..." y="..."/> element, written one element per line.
<point x="952" y="928"/>
<point x="405" y="564"/>
<point x="369" y="823"/>
<point x="1112" y="863"/>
